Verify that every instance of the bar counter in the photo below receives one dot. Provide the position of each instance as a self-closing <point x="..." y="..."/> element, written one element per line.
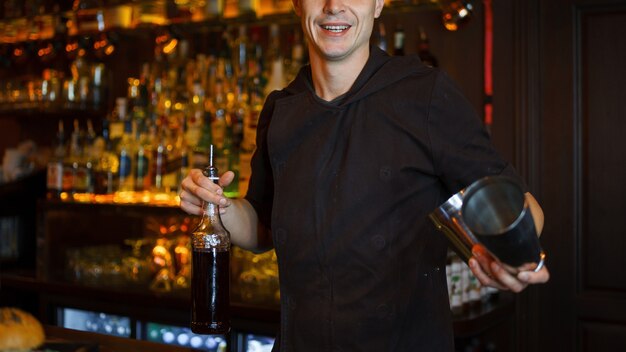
<point x="68" y="340"/>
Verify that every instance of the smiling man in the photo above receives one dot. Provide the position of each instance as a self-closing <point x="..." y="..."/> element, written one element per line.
<point x="351" y="158"/>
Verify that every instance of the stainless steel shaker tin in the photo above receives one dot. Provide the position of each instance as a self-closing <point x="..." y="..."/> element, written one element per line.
<point x="492" y="211"/>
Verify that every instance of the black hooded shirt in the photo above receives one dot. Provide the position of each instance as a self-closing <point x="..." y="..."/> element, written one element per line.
<point x="346" y="187"/>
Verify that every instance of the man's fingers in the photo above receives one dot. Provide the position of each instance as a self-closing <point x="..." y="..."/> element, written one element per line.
<point x="186" y="197"/>
<point x="190" y="208"/>
<point x="482" y="276"/>
<point x="506" y="279"/>
<point x="226" y="178"/>
<point x="531" y="277"/>
<point x="483" y="258"/>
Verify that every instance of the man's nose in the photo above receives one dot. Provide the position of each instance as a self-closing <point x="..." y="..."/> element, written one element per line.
<point x="333" y="7"/>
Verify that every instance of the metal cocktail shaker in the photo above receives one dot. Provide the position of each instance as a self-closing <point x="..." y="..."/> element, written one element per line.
<point x="492" y="211"/>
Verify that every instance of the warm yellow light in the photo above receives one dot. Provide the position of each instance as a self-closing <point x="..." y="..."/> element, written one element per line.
<point x="71" y="47"/>
<point x="109" y="50"/>
<point x="45" y="51"/>
<point x="169" y="47"/>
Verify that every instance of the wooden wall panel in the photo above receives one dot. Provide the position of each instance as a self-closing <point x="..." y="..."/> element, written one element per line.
<point x="601" y="337"/>
<point x="603" y="149"/>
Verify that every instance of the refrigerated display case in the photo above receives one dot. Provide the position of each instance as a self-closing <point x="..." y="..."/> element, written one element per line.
<point x="182" y="336"/>
<point x="98" y="322"/>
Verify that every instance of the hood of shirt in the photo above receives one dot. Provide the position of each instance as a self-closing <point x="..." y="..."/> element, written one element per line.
<point x="379" y="71"/>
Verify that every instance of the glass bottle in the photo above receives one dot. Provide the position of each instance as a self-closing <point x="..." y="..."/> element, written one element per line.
<point x="423" y="49"/>
<point x="143" y="159"/>
<point x="76" y="161"/>
<point x="398" y="41"/>
<point x="107" y="167"/>
<point x="200" y="158"/>
<point x="55" y="166"/>
<point x="210" y="273"/>
<point x="126" y="155"/>
<point x="90" y="157"/>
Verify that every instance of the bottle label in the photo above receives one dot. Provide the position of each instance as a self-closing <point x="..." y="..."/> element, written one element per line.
<point x="55" y="176"/>
<point x="142" y="166"/>
<point x="68" y="178"/>
<point x="125" y="165"/>
<point x="80" y="179"/>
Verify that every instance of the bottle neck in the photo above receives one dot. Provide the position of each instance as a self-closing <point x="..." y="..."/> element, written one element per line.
<point x="211" y="210"/>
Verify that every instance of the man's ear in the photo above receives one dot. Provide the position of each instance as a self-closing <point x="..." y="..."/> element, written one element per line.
<point x="379" y="7"/>
<point x="296" y="7"/>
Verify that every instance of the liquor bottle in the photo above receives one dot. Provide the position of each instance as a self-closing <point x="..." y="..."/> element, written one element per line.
<point x="90" y="156"/>
<point x="239" y="109"/>
<point x="55" y="166"/>
<point x="107" y="168"/>
<point x="423" y="49"/>
<point x="456" y="291"/>
<point x="475" y="299"/>
<point x="398" y="41"/>
<point x="76" y="162"/>
<point x="227" y="158"/>
<point x="195" y="117"/>
<point x="240" y="51"/>
<point x="210" y="273"/>
<point x="159" y="163"/>
<point x="220" y="112"/>
<point x="142" y="160"/>
<point x="276" y="74"/>
<point x="248" y="144"/>
<point x="116" y="120"/>
<point x="200" y="158"/>
<point x="126" y="153"/>
<point x="297" y="57"/>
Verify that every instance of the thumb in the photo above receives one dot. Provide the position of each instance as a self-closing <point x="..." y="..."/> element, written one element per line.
<point x="226" y="178"/>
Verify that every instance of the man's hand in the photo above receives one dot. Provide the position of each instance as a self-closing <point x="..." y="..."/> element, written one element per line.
<point x="197" y="188"/>
<point x="492" y="273"/>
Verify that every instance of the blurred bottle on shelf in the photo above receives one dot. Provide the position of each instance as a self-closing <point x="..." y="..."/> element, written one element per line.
<point x="275" y="62"/>
<point x="126" y="154"/>
<point x="107" y="168"/>
<point x="55" y="165"/>
<point x="89" y="15"/>
<point x="398" y="40"/>
<point x="423" y="49"/>
<point x="76" y="162"/>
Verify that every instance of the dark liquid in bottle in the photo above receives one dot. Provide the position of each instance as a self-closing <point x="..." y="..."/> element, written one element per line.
<point x="210" y="313"/>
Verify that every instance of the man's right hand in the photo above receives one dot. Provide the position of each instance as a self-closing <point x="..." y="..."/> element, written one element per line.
<point x="197" y="188"/>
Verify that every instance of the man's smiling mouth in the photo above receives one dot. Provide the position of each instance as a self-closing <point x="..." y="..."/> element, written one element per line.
<point x="335" y="28"/>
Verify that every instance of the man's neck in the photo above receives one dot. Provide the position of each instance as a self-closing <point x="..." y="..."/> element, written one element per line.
<point x="332" y="79"/>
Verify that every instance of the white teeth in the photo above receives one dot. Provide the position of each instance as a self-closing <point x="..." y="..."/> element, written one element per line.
<point x="335" y="28"/>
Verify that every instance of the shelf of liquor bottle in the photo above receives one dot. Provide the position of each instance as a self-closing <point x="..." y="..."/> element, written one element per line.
<point x="144" y="202"/>
<point x="136" y="15"/>
<point x="50" y="111"/>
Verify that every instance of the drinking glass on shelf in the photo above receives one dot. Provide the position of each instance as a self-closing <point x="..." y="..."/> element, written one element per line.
<point x="136" y="266"/>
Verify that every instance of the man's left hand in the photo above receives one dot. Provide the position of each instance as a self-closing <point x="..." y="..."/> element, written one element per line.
<point x="493" y="273"/>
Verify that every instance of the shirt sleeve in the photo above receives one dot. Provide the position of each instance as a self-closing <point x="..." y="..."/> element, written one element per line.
<point x="461" y="148"/>
<point x="261" y="187"/>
